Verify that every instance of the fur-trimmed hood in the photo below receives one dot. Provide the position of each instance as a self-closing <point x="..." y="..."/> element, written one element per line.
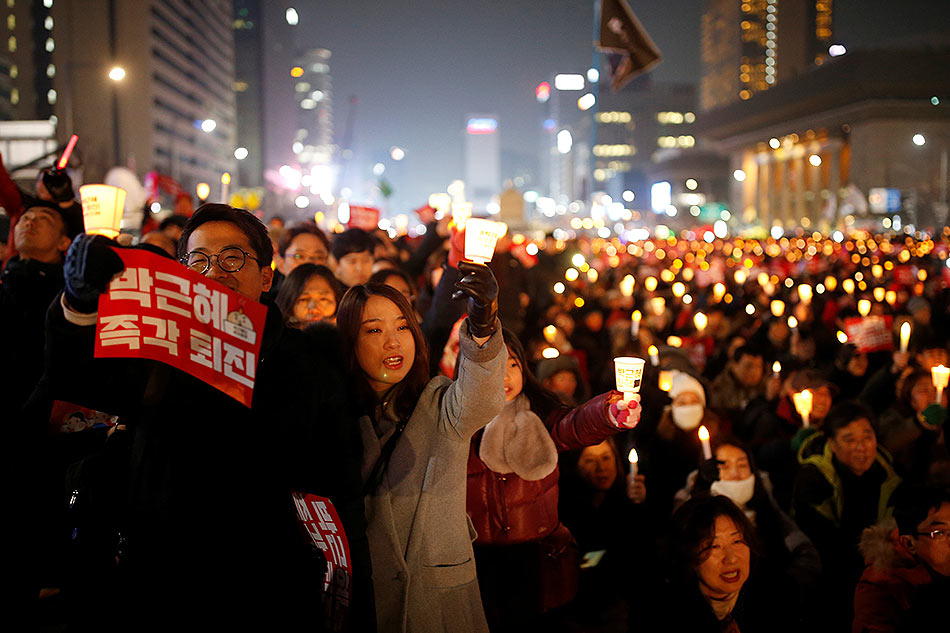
<point x="881" y="547"/>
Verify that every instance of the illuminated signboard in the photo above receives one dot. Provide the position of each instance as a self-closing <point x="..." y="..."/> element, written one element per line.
<point x="481" y="126"/>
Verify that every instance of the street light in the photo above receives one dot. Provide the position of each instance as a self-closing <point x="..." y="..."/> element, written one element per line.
<point x="208" y="125"/>
<point x="117" y="73"/>
<point x="240" y="153"/>
<point x="919" y="140"/>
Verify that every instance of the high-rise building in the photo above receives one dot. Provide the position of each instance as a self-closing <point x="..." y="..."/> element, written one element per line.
<point x="146" y="84"/>
<point x="482" y="160"/>
<point x="749" y="46"/>
<point x="313" y="136"/>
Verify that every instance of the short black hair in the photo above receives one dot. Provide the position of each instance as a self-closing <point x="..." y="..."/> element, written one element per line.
<point x="290" y="234"/>
<point x="352" y="241"/>
<point x="746" y="350"/>
<point x="295" y="283"/>
<point x="844" y="413"/>
<point x="915" y="504"/>
<point x="253" y="228"/>
<point x="175" y="219"/>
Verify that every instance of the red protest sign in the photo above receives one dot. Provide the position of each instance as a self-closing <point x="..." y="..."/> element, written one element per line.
<point x="870" y="334"/>
<point x="320" y="521"/>
<point x="366" y="218"/>
<point x="161" y="310"/>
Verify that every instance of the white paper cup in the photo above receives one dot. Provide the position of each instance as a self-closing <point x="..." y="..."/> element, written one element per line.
<point x="629" y="373"/>
<point x="102" y="207"/>
<point x="480" y="238"/>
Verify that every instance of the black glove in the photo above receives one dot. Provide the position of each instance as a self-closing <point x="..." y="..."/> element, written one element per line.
<point x="90" y="266"/>
<point x="479" y="284"/>
<point x="708" y="474"/>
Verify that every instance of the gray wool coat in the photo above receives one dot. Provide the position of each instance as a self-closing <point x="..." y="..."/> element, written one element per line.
<point x="419" y="534"/>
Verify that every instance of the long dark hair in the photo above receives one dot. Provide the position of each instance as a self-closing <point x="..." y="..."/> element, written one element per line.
<point x="295" y="283"/>
<point x="349" y="319"/>
<point x="543" y="402"/>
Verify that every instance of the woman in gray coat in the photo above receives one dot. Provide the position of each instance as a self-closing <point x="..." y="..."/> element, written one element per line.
<point x="416" y="435"/>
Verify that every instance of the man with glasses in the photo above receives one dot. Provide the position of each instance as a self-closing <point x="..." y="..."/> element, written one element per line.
<point x="209" y="529"/>
<point x="302" y="243"/>
<point x="907" y="581"/>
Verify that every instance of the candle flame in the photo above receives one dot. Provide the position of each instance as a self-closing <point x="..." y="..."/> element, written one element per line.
<point x="703" y="433"/>
<point x="652" y="350"/>
<point x="637" y="315"/>
<point x="776" y="367"/>
<point x="632" y="456"/>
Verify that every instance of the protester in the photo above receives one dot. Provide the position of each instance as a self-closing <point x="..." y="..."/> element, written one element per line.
<point x="416" y="434"/>
<point x="905" y="585"/>
<point x="192" y="450"/>
<point x="526" y="558"/>
<point x="846" y="484"/>
<point x="712" y="554"/>
<point x="353" y="256"/>
<point x="309" y="294"/>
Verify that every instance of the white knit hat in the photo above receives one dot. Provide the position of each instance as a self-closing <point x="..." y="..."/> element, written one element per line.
<point x="683" y="382"/>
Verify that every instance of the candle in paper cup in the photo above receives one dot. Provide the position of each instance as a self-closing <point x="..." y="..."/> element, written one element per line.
<point x="805" y="293"/>
<point x="633" y="458"/>
<point x="480" y="238"/>
<point x="802" y="402"/>
<point x="629" y="374"/>
<point x="635" y="323"/>
<point x="940" y="376"/>
<point x="102" y="207"/>
<point x="905" y="335"/>
<point x="666" y="380"/>
<point x="864" y="307"/>
<point x="654" y="355"/>
<point x="704" y="440"/>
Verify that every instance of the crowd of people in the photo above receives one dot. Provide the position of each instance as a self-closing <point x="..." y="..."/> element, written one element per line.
<point x="463" y="420"/>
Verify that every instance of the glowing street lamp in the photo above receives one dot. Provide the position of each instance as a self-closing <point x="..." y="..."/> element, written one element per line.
<point x="117" y="73"/>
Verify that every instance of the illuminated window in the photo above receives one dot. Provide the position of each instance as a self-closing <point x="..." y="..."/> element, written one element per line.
<point x="51" y="96"/>
<point x="46" y="3"/>
<point x="11" y="44"/>
<point x="51" y="71"/>
<point x="14" y="71"/>
<point x="11" y="21"/>
<point x="50" y="45"/>
<point x="48" y="23"/>
<point x="14" y="96"/>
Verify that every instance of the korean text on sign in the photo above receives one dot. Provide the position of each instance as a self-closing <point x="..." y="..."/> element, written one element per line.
<point x="160" y="310"/>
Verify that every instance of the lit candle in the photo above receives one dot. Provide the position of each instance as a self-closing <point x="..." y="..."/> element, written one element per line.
<point x="802" y="402"/>
<point x="633" y="458"/>
<point x="792" y="322"/>
<point x="550" y="332"/>
<point x="666" y="380"/>
<point x="654" y="355"/>
<point x="704" y="440"/>
<point x="674" y="341"/>
<point x="777" y="306"/>
<point x="627" y="285"/>
<point x="700" y="321"/>
<point x="635" y="323"/>
<point x="658" y="304"/>
<point x="805" y="293"/>
<point x="776" y="369"/>
<point x="719" y="290"/>
<point x="905" y="335"/>
<point x="864" y="307"/>
<point x="940" y="376"/>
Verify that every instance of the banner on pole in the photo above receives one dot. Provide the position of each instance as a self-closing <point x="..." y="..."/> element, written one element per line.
<point x="161" y="310"/>
<point x="630" y="51"/>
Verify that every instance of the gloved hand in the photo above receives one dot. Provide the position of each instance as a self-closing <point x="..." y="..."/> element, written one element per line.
<point x="479" y="284"/>
<point x="625" y="414"/>
<point x="708" y="473"/>
<point x="933" y="416"/>
<point x="90" y="266"/>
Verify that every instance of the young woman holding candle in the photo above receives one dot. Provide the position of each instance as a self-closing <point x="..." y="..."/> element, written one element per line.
<point x="527" y="560"/>
<point x="416" y="434"/>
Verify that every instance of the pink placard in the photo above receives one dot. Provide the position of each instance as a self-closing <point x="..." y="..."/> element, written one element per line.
<point x="870" y="334"/>
<point x="161" y="310"/>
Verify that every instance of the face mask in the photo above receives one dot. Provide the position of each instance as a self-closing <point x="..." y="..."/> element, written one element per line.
<point x="739" y="491"/>
<point x="687" y="416"/>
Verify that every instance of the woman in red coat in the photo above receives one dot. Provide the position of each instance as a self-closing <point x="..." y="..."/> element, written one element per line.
<point x="526" y="559"/>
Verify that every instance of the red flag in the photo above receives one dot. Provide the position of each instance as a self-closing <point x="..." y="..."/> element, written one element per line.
<point x="622" y="33"/>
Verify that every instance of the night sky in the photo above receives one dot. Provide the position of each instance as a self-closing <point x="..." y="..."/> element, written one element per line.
<point x="419" y="66"/>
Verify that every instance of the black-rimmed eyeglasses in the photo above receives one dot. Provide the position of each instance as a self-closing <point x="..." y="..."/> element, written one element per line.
<point x="230" y="260"/>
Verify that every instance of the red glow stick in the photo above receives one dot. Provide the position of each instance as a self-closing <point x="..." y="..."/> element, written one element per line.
<point x="66" y="152"/>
